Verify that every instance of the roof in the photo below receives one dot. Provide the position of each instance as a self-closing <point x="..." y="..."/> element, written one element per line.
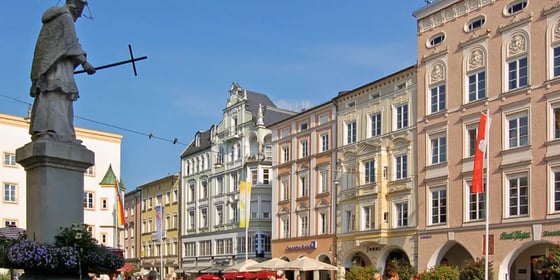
<point x="204" y="143"/>
<point x="272" y="113"/>
<point x="11" y="232"/>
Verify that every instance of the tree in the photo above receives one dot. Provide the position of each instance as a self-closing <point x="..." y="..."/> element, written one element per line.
<point x="361" y="273"/>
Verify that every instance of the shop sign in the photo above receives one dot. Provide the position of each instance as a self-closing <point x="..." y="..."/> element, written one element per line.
<point x="311" y="245"/>
<point x="514" y="235"/>
<point x="426" y="236"/>
<point x="551" y="233"/>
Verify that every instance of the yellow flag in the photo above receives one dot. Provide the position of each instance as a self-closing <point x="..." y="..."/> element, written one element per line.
<point x="244" y="204"/>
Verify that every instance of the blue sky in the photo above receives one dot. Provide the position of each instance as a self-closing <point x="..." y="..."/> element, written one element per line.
<point x="299" y="52"/>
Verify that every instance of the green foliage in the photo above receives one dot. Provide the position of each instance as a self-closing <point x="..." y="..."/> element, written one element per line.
<point x="403" y="268"/>
<point x="550" y="264"/>
<point x="441" y="272"/>
<point x="5" y="243"/>
<point x="475" y="270"/>
<point x="361" y="273"/>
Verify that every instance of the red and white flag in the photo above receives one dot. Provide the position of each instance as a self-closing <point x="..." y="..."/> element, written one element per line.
<point x="481" y="143"/>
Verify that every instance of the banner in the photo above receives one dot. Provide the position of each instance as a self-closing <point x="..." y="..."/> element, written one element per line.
<point x="159" y="220"/>
<point x="244" y="204"/>
<point x="480" y="150"/>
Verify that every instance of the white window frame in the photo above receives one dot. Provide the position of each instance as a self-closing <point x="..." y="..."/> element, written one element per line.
<point x="401" y="210"/>
<point x="401" y="116"/>
<point x="514" y="67"/>
<point x="303" y="224"/>
<point x="303" y="184"/>
<point x="476" y="90"/>
<point x="324" y="142"/>
<point x="368" y="214"/>
<point x="284" y="188"/>
<point x="304" y="148"/>
<point x="521" y="138"/>
<point x="285" y="153"/>
<point x="10" y="159"/>
<point x="89" y="200"/>
<point x="439" y="92"/>
<point x="10" y="193"/>
<point x="438" y="148"/>
<point x="475" y="204"/>
<point x="375" y="124"/>
<point x="350" y="129"/>
<point x="400" y="172"/>
<point x="369" y="171"/>
<point x="554" y="121"/>
<point x="442" y="206"/>
<point x="517" y="179"/>
<point x="323" y="222"/>
<point x="323" y="180"/>
<point x="285" y="223"/>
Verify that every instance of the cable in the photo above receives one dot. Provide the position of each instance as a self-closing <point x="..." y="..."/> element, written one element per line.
<point x="149" y="135"/>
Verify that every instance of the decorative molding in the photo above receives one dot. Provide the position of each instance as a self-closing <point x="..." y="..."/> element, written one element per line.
<point x="475" y="37"/>
<point x="436" y="53"/>
<point x="476" y="59"/>
<point x="517" y="45"/>
<point x="437" y="74"/>
<point x="516" y="21"/>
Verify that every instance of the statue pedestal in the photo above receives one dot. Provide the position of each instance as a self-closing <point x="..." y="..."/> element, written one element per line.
<point x="55" y="185"/>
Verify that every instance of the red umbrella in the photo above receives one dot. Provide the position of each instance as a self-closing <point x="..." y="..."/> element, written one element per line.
<point x="231" y="275"/>
<point x="266" y="274"/>
<point x="246" y="275"/>
<point x="209" y="277"/>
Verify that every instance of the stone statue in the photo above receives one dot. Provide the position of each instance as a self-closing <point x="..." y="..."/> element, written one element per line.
<point x="57" y="54"/>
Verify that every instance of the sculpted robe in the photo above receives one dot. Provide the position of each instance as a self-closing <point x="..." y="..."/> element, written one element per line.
<point x="57" y="53"/>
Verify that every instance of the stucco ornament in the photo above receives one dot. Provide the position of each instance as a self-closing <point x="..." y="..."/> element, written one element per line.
<point x="476" y="59"/>
<point x="516" y="45"/>
<point x="437" y="73"/>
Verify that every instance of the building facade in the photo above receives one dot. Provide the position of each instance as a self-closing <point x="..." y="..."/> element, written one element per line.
<point x="216" y="167"/>
<point x="376" y="172"/>
<point x="499" y="57"/>
<point x="303" y="200"/>
<point x="99" y="200"/>
<point x="159" y="225"/>
<point x="132" y="231"/>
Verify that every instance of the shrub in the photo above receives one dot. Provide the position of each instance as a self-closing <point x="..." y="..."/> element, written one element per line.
<point x="361" y="273"/>
<point x="475" y="270"/>
<point x="440" y="272"/>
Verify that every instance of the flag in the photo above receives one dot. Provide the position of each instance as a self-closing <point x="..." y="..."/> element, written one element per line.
<point x="480" y="150"/>
<point x="120" y="202"/>
<point x="159" y="221"/>
<point x="244" y="204"/>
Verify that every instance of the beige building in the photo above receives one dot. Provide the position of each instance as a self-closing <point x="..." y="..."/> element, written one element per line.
<point x="160" y="253"/>
<point x="376" y="172"/>
<point x="99" y="199"/>
<point x="132" y="234"/>
<point x="500" y="56"/>
<point x="303" y="196"/>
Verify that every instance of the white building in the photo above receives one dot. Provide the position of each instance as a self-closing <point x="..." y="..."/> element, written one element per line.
<point x="99" y="201"/>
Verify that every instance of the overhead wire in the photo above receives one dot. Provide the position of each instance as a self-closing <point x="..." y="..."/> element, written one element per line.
<point x="149" y="135"/>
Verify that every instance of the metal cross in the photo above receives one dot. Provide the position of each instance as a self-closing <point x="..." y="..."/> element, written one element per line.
<point x="131" y="60"/>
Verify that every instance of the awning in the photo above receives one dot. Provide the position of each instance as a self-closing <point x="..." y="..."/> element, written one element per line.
<point x="196" y="269"/>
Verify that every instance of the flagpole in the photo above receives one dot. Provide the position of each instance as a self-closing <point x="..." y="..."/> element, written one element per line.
<point x="487" y="193"/>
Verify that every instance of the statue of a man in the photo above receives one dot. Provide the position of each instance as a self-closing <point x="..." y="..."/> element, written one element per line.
<point x="57" y="54"/>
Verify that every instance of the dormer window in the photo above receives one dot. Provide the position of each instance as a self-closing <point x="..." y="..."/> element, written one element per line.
<point x="475" y="23"/>
<point x="516" y="6"/>
<point x="197" y="140"/>
<point x="436" y="40"/>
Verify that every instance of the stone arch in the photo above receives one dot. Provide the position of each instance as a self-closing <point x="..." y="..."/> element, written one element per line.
<point x="389" y="253"/>
<point x="505" y="269"/>
<point x="446" y="251"/>
<point x="356" y="258"/>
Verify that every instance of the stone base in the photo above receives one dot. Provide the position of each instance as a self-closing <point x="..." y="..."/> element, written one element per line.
<point x="55" y="185"/>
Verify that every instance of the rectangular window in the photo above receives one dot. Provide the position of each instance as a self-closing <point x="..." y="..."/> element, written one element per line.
<point x="477" y="86"/>
<point x="303" y="126"/>
<point x="204" y="217"/>
<point x="471" y="139"/>
<point x="285" y="188"/>
<point x="304" y="146"/>
<point x="439" y="149"/>
<point x="439" y="206"/>
<point x="402" y="116"/>
<point x="303" y="186"/>
<point x="90" y="171"/>
<point x="556" y="61"/>
<point x="518" y="196"/>
<point x="9" y="159"/>
<point x="205" y="248"/>
<point x="234" y="212"/>
<point x="369" y="174"/>
<point x="324" y="142"/>
<point x="350" y="221"/>
<point x="285" y="227"/>
<point x="190" y="249"/>
<point x="323" y="119"/>
<point x="477" y="205"/>
<point x="219" y="215"/>
<point x="285" y="154"/>
<point x="191" y="220"/>
<point x="556" y="182"/>
<point x="10" y="192"/>
<point x="304" y="230"/>
<point x="369" y="217"/>
<point x="351" y="132"/>
<point x="401" y="166"/>
<point x="219" y="185"/>
<point x="191" y="195"/>
<point x="518" y="130"/>
<point x="266" y="176"/>
<point x="437" y="99"/>
<point x="323" y="181"/>
<point x="556" y="122"/>
<point x="517" y="73"/>
<point x="401" y="210"/>
<point x="254" y="177"/>
<point x="88" y="200"/>
<point x="323" y="223"/>
<point x="375" y="124"/>
<point x="204" y="190"/>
